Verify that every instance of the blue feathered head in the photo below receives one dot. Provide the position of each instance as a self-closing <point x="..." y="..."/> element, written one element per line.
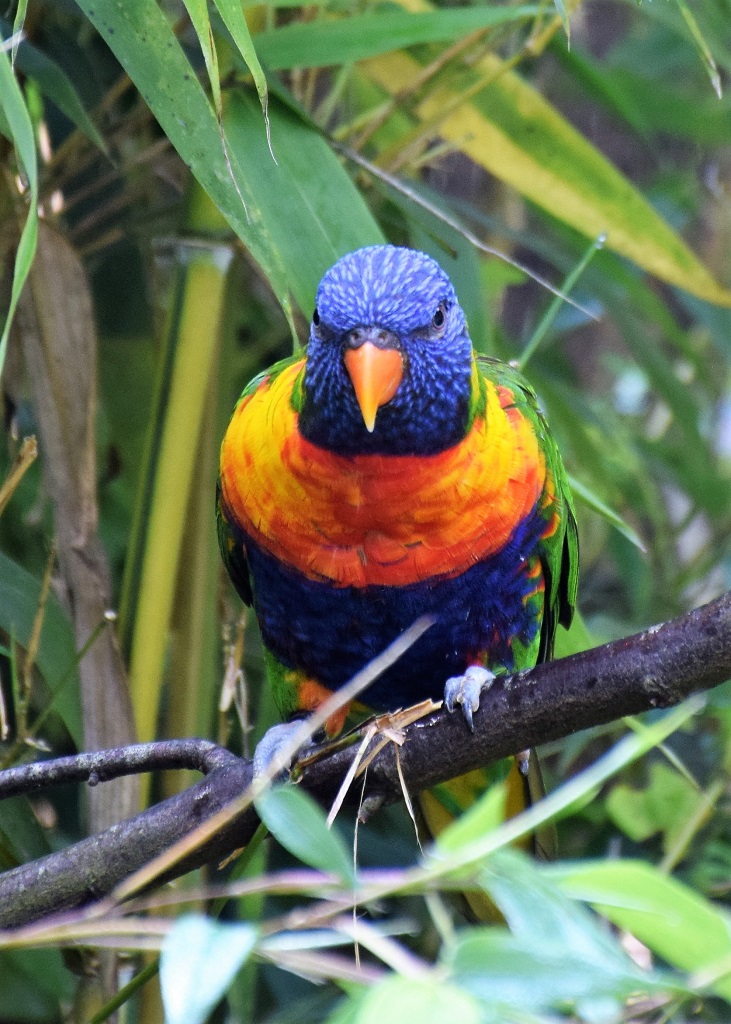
<point x="389" y="360"/>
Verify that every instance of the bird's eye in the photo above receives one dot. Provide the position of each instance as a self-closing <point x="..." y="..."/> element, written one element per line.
<point x="316" y="318"/>
<point x="440" y="317"/>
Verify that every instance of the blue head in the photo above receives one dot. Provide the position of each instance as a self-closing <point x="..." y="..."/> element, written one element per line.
<point x="389" y="361"/>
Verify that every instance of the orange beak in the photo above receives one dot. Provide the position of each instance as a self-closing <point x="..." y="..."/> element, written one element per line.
<point x="376" y="374"/>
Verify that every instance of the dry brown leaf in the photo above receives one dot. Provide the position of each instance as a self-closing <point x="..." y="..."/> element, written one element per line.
<point x="56" y="324"/>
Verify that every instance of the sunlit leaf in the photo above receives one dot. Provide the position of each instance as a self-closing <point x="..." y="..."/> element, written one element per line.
<point x="515" y="134"/>
<point x="412" y="1001"/>
<point x="198" y="962"/>
<point x="678" y="924"/>
<point x="297" y="822"/>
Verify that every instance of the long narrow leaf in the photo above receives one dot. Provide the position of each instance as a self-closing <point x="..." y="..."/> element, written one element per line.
<point x="55" y="85"/>
<point x="19" y="124"/>
<point x="144" y="43"/>
<point x="198" y="13"/>
<point x="515" y="134"/>
<point x="235" y="22"/>
<point x="318" y="43"/>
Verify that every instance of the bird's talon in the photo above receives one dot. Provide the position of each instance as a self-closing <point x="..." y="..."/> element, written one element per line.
<point x="466" y="690"/>
<point x="269" y="747"/>
<point x="523" y="760"/>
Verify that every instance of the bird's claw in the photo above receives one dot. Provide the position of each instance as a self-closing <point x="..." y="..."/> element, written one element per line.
<point x="466" y="690"/>
<point x="269" y="747"/>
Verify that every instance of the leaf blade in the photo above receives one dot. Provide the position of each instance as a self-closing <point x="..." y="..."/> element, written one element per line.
<point x="511" y="131"/>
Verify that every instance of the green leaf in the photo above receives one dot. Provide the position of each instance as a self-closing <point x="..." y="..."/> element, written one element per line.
<point x="18" y="23"/>
<point x="198" y="961"/>
<point x="704" y="50"/>
<point x="564" y="16"/>
<point x="234" y="20"/>
<point x="574" y="639"/>
<point x="198" y="14"/>
<point x="515" y="134"/>
<point x="18" y="123"/>
<point x="539" y="914"/>
<point x="589" y="498"/>
<point x="142" y="40"/>
<point x="664" y="805"/>
<point x="558" y="301"/>
<point x="311" y="226"/>
<point x="502" y="970"/>
<point x="324" y="42"/>
<point x="300" y="826"/>
<point x="55" y="85"/>
<point x="56" y="657"/>
<point x="22" y="839"/>
<point x="481" y="818"/>
<point x="36" y="985"/>
<point x="676" y="923"/>
<point x="417" y="1001"/>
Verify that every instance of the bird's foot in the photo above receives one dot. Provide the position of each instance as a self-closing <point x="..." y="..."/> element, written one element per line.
<point x="270" y="748"/>
<point x="523" y="762"/>
<point x="466" y="690"/>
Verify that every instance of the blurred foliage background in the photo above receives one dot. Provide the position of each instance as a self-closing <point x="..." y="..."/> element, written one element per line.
<point x="175" y="180"/>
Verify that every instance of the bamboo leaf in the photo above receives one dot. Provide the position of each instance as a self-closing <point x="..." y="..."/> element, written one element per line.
<point x="198" y="13"/>
<point x="511" y="131"/>
<point x="18" y="23"/>
<point x="143" y="41"/>
<point x="310" y="225"/>
<point x="321" y="43"/>
<point x="704" y="50"/>
<point x="56" y="657"/>
<point x="404" y="1000"/>
<point x="564" y="16"/>
<point x="18" y="123"/>
<point x="198" y="962"/>
<point x="296" y="821"/>
<point x="55" y="85"/>
<point x="553" y="310"/>
<point x="585" y="494"/>
<point x="235" y="22"/>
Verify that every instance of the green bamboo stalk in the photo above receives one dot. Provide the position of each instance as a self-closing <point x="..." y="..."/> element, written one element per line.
<point x="158" y="555"/>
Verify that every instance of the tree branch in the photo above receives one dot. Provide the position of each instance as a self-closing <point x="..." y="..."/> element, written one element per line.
<point x="657" y="668"/>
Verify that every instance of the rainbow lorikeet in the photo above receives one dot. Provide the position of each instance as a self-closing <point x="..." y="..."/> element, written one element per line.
<point x="387" y="473"/>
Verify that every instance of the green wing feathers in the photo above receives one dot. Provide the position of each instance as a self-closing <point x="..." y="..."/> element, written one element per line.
<point x="560" y="551"/>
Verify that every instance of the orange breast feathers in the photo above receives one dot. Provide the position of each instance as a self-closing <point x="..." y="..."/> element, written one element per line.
<point x="376" y="519"/>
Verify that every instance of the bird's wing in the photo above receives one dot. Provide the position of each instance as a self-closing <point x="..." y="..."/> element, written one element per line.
<point x="559" y="548"/>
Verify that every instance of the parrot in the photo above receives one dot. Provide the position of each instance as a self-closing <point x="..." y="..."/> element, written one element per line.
<point x="389" y="472"/>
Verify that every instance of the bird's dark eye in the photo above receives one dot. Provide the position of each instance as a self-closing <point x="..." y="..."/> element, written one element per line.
<point x="440" y="317"/>
<point x="316" y="318"/>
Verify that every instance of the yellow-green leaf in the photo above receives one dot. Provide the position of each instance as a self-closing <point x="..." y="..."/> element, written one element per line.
<point x="515" y="134"/>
